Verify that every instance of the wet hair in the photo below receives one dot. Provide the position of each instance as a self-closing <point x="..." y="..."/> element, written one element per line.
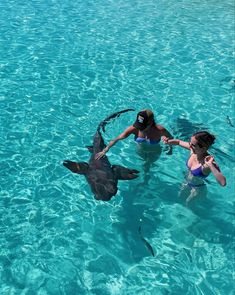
<point x="204" y="138"/>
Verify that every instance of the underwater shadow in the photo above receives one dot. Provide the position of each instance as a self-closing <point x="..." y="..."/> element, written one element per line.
<point x="139" y="219"/>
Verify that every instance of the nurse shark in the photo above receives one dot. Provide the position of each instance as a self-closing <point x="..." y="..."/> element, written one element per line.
<point x="100" y="174"/>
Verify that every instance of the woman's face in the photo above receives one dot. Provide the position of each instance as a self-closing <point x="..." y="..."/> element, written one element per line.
<point x="195" y="146"/>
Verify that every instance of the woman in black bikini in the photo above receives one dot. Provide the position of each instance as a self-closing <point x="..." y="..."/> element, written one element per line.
<point x="200" y="163"/>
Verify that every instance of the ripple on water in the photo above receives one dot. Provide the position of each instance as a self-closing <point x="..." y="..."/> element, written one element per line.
<point x="64" y="67"/>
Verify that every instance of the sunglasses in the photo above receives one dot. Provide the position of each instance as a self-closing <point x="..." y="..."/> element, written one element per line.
<point x="194" y="145"/>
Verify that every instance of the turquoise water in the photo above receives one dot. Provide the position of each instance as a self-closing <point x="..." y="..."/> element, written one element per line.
<point x="65" y="66"/>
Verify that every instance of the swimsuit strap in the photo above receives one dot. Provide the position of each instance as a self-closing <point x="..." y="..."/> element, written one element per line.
<point x="149" y="141"/>
<point x="140" y="139"/>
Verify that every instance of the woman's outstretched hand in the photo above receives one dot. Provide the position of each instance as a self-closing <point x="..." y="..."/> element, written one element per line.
<point x="165" y="139"/>
<point x="100" y="154"/>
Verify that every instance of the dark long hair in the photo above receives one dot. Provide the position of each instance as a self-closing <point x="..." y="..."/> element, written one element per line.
<point x="204" y="138"/>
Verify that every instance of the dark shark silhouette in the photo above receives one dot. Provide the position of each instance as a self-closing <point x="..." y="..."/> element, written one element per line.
<point x="100" y="174"/>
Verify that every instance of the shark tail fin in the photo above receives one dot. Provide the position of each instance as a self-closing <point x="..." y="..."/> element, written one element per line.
<point x="114" y="115"/>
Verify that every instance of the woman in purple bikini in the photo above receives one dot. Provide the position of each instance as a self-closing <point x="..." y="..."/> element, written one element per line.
<point x="200" y="163"/>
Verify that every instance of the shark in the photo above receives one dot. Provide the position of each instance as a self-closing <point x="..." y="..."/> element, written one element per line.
<point x="100" y="174"/>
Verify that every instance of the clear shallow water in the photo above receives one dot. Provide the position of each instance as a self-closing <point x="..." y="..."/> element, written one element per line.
<point x="65" y="66"/>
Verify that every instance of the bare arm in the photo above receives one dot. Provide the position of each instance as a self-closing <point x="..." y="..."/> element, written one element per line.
<point x="209" y="161"/>
<point x="173" y="141"/>
<point x="121" y="136"/>
<point x="166" y="133"/>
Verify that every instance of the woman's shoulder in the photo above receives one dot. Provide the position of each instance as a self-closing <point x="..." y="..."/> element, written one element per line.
<point x="131" y="130"/>
<point x="159" y="127"/>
